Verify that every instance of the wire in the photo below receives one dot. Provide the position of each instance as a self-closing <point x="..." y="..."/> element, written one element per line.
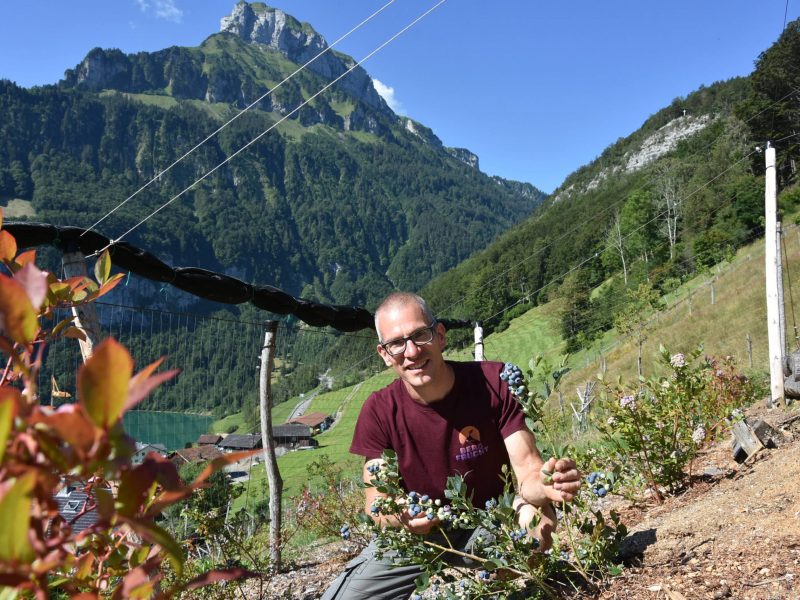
<point x="271" y="127"/>
<point x="239" y="114"/>
<point x="785" y="14"/>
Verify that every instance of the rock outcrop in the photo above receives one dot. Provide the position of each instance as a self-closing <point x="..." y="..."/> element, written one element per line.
<point x="298" y="42"/>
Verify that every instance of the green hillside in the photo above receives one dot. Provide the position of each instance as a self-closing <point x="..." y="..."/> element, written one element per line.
<point x="739" y="311"/>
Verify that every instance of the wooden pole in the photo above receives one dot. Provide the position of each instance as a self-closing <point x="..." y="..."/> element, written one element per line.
<point x="86" y="320"/>
<point x="270" y="460"/>
<point x="478" y="341"/>
<point x="771" y="268"/>
<point x="779" y="280"/>
<point x="749" y="349"/>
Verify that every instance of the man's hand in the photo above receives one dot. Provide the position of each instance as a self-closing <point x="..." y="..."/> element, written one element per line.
<point x="561" y="479"/>
<point x="547" y="523"/>
<point x="419" y="525"/>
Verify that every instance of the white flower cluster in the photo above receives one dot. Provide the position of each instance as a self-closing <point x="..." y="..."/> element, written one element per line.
<point x="628" y="402"/>
<point x="699" y="434"/>
<point x="678" y="360"/>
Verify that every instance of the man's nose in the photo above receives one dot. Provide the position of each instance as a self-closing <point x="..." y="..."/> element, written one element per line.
<point x="411" y="349"/>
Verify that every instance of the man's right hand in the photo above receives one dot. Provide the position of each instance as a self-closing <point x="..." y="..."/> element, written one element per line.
<point x="419" y="525"/>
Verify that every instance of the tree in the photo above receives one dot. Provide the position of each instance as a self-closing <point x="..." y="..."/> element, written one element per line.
<point x="670" y="193"/>
<point x="615" y="245"/>
<point x="634" y="320"/>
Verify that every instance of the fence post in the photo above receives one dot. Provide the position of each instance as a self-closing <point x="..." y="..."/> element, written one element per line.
<point x="270" y="460"/>
<point x="749" y="350"/>
<point x="74" y="265"/>
<point x="478" y="341"/>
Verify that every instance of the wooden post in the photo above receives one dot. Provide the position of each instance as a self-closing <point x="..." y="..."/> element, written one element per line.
<point x="478" y="341"/>
<point x="270" y="460"/>
<point x="74" y="265"/>
<point x="771" y="268"/>
<point x="779" y="280"/>
<point x="713" y="294"/>
<point x="749" y="350"/>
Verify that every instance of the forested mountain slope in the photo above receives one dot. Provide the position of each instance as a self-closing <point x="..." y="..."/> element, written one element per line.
<point x="341" y="203"/>
<point x="669" y="200"/>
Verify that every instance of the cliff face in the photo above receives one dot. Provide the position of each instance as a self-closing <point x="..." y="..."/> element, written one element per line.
<point x="271" y="27"/>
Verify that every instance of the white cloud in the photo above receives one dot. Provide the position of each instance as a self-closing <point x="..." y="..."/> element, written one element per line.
<point x="162" y="9"/>
<point x="387" y="93"/>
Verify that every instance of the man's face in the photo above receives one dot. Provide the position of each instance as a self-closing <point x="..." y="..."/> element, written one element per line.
<point x="417" y="366"/>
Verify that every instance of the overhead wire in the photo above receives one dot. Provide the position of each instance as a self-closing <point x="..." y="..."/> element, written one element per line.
<point x="274" y="125"/>
<point x="239" y="114"/>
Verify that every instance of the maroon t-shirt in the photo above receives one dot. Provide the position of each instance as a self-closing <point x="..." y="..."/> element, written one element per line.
<point x="461" y="434"/>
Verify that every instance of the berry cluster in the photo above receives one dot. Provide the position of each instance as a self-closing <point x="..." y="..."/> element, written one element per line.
<point x="513" y="375"/>
<point x="420" y="505"/>
<point x="598" y="483"/>
<point x="344" y="531"/>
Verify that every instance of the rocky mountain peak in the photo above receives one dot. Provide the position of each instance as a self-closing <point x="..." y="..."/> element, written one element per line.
<point x="260" y="24"/>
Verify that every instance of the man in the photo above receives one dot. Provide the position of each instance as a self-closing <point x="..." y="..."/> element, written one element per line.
<point x="443" y="418"/>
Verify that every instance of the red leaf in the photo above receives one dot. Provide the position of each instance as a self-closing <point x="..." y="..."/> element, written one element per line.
<point x="8" y="246"/>
<point x="23" y="258"/>
<point x="137" y="482"/>
<point x="71" y="424"/>
<point x="17" y="316"/>
<point x="103" y="382"/>
<point x="139" y="387"/>
<point x="35" y="283"/>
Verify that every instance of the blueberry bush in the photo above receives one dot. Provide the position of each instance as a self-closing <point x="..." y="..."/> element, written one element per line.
<point x="124" y="552"/>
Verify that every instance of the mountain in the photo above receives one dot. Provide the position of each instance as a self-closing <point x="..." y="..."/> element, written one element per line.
<point x="340" y="202"/>
<point x="669" y="200"/>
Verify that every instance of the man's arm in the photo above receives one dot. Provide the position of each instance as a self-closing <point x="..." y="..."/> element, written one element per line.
<point x="421" y="525"/>
<point x="528" y="466"/>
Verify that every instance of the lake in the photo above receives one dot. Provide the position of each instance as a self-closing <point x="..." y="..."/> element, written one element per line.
<point x="172" y="429"/>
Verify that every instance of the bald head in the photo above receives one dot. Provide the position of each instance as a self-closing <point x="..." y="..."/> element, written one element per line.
<point x="399" y="300"/>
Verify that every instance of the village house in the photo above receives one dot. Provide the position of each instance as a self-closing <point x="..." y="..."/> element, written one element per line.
<point x="317" y="421"/>
<point x="143" y="449"/>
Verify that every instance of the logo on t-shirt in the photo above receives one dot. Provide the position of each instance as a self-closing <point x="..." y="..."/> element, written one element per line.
<point x="471" y="446"/>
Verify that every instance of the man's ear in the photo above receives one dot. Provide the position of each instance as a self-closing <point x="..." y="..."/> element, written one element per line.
<point x="442" y="333"/>
<point x="384" y="355"/>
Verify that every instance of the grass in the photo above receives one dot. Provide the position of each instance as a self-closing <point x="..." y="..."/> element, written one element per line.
<point x="16" y="208"/>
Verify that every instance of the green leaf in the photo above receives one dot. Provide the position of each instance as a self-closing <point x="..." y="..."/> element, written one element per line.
<point x="15" y="510"/>
<point x="102" y="268"/>
<point x="103" y="382"/>
<point x="9" y="401"/>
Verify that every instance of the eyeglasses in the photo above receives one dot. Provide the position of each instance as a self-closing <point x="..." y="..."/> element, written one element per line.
<point x="419" y="338"/>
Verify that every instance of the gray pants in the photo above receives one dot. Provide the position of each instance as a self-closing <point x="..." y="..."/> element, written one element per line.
<point x="367" y="578"/>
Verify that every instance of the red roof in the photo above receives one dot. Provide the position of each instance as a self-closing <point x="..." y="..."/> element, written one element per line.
<point x="312" y="419"/>
<point x="195" y="454"/>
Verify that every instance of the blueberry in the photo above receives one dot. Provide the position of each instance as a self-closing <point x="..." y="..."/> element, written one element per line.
<point x="425" y="498"/>
<point x="591" y="477"/>
<point x="535" y="542"/>
<point x="509" y="366"/>
<point x="484" y="575"/>
<point x="601" y="491"/>
<point x="490" y="504"/>
<point x="503" y="376"/>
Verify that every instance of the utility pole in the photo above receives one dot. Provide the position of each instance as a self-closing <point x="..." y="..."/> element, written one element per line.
<point x="771" y="269"/>
<point x="270" y="460"/>
<point x="74" y="265"/>
<point x="781" y="305"/>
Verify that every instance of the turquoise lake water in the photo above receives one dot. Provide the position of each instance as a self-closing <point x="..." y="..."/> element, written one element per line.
<point x="174" y="430"/>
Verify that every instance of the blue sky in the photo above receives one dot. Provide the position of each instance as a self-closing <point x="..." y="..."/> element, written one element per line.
<point x="535" y="89"/>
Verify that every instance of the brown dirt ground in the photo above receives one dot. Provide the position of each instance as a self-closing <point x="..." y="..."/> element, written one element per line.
<point x="735" y="532"/>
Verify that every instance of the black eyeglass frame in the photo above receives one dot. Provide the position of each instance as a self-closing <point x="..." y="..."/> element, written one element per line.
<point x="405" y="340"/>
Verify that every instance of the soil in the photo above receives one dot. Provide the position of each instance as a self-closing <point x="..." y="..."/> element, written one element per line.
<point x="734" y="533"/>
